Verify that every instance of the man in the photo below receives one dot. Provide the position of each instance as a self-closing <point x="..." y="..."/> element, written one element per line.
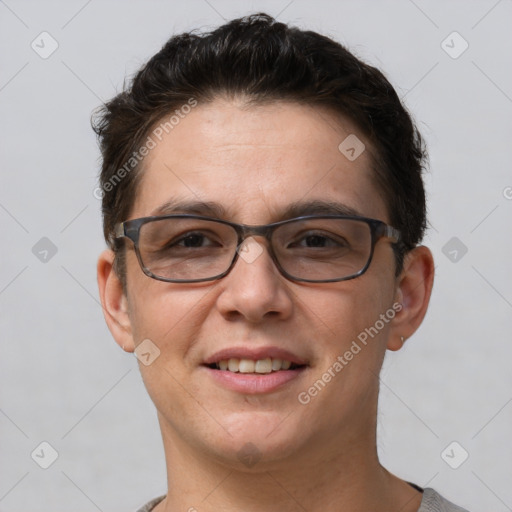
<point x="263" y="206"/>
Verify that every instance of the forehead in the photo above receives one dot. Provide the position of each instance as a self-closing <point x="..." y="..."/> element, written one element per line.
<point x="255" y="161"/>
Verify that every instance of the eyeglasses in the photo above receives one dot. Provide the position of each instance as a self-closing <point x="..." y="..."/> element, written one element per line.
<point x="315" y="249"/>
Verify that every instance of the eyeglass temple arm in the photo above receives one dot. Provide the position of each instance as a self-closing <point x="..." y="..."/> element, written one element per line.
<point x="119" y="230"/>
<point x="391" y="232"/>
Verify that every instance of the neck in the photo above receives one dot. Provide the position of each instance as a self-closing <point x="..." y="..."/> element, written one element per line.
<point x="315" y="480"/>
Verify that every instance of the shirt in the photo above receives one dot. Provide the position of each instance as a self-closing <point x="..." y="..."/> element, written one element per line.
<point x="432" y="501"/>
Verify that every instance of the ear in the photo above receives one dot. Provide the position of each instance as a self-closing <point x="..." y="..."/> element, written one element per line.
<point x="114" y="302"/>
<point x="414" y="286"/>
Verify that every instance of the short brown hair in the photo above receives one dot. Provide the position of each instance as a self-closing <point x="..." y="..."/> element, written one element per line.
<point x="262" y="60"/>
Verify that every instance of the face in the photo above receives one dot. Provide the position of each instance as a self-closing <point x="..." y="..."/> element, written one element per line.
<point x="253" y="163"/>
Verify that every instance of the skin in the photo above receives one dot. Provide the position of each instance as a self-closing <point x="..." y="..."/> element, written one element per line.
<point x="255" y="161"/>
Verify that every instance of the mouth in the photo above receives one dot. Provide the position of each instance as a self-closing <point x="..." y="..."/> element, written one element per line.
<point x="254" y="371"/>
<point x="259" y="366"/>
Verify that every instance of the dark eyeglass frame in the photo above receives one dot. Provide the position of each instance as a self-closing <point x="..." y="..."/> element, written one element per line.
<point x="378" y="229"/>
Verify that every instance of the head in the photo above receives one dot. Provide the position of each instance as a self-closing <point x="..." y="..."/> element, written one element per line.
<point x="250" y="120"/>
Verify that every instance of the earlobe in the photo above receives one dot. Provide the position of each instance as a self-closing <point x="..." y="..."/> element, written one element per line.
<point x="114" y="302"/>
<point x="414" y="287"/>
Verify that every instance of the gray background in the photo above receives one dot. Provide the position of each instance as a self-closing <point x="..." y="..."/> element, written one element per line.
<point x="64" y="380"/>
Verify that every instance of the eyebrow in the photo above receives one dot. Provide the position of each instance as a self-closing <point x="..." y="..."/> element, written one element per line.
<point x="216" y="210"/>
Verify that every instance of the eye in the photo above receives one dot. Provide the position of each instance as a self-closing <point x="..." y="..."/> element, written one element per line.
<point x="318" y="240"/>
<point x="193" y="240"/>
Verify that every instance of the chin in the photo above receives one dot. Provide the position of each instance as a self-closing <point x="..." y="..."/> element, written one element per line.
<point x="269" y="435"/>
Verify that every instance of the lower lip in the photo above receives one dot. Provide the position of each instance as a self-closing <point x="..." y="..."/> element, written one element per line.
<point x="252" y="383"/>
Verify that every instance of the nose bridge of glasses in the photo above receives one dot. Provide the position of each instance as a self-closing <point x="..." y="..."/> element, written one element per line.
<point x="247" y="231"/>
<point x="252" y="240"/>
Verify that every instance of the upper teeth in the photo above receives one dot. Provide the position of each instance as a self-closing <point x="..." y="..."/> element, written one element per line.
<point x="249" y="366"/>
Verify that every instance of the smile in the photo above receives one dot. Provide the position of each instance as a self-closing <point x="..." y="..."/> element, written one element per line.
<point x="254" y="370"/>
<point x="260" y="366"/>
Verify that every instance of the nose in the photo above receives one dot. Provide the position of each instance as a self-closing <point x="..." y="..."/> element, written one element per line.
<point x="255" y="289"/>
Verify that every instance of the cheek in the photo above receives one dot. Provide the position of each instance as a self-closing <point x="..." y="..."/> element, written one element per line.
<point x="351" y="338"/>
<point x="172" y="318"/>
<point x="346" y="309"/>
<point x="349" y="352"/>
<point x="168" y="314"/>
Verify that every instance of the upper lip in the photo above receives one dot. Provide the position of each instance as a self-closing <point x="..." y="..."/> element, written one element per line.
<point x="254" y="353"/>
